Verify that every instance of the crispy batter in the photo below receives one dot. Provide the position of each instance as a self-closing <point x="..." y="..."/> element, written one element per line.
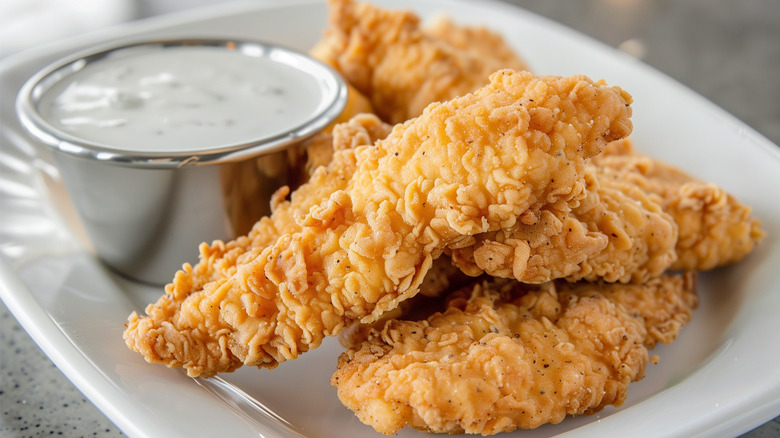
<point x="504" y="355"/>
<point x="715" y="228"/>
<point x="219" y="260"/>
<point x="471" y="165"/>
<point x="441" y="279"/>
<point x="401" y="66"/>
<point x="615" y="233"/>
<point x="416" y="308"/>
<point x="477" y="40"/>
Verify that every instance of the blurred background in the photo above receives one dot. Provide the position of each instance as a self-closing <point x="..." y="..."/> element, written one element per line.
<point x="727" y="51"/>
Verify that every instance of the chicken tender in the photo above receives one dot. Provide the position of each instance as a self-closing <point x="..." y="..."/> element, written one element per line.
<point x="478" y="41"/>
<point x="616" y="233"/>
<point x="220" y="259"/>
<point x="472" y="165"/>
<point x="504" y="355"/>
<point x="402" y="67"/>
<point x="714" y="228"/>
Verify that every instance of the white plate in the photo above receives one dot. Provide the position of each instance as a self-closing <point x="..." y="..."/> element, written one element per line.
<point x="721" y="377"/>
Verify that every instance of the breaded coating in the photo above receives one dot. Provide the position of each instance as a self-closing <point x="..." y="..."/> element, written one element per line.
<point x="714" y="228"/>
<point x="220" y="259"/>
<point x="401" y="66"/>
<point x="441" y="279"/>
<point x="504" y="355"/>
<point x="416" y="308"/>
<point x="471" y="165"/>
<point x="478" y="40"/>
<point x="614" y="233"/>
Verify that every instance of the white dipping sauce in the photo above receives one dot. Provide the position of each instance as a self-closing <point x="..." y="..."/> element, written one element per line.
<point x="180" y="99"/>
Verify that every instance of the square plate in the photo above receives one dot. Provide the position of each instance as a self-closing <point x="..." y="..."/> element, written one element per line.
<point x="719" y="378"/>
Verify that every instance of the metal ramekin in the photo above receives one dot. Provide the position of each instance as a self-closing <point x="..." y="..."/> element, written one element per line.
<point x="146" y="212"/>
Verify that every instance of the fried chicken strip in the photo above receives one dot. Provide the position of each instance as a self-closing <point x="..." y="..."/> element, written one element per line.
<point x="715" y="228"/>
<point x="400" y="65"/>
<point x="504" y="355"/>
<point x="220" y="259"/>
<point x="478" y="41"/>
<point x="616" y="233"/>
<point x="471" y="165"/>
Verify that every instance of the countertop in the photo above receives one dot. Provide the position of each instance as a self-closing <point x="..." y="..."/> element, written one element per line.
<point x="727" y="51"/>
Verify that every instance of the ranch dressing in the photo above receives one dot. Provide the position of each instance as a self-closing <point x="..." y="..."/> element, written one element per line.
<point x="181" y="99"/>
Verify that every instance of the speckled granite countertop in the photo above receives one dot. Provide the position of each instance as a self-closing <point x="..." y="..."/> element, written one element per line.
<point x="727" y="51"/>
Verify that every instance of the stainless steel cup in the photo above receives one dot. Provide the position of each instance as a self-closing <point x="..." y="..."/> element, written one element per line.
<point x="146" y="212"/>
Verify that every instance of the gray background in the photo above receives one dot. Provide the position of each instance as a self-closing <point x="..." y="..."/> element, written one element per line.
<point x="728" y="51"/>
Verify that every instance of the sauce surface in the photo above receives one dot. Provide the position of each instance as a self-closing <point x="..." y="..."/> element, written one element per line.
<point x="180" y="99"/>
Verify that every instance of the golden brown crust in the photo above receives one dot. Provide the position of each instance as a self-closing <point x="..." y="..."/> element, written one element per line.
<point x="478" y="41"/>
<point x="219" y="260"/>
<point x="439" y="281"/>
<point x="715" y="228"/>
<point x="402" y="67"/>
<point x="505" y="355"/>
<point x="471" y="165"/>
<point x="614" y="233"/>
